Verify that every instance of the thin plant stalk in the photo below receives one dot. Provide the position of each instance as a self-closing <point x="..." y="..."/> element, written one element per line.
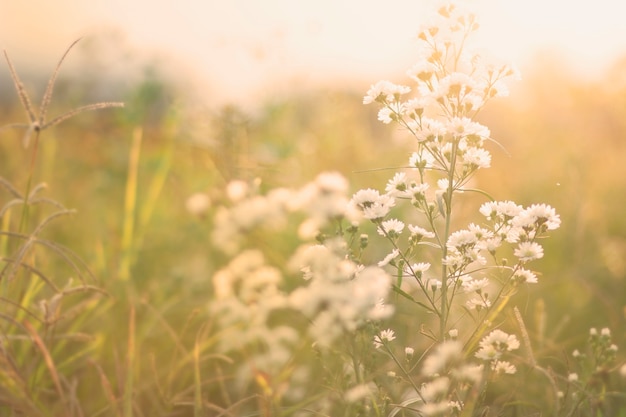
<point x="130" y="365"/>
<point x="130" y="206"/>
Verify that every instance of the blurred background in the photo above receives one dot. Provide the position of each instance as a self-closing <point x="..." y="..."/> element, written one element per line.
<point x="273" y="89"/>
<point x="241" y="51"/>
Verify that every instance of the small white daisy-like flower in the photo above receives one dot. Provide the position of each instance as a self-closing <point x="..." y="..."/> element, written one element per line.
<point x="463" y="126"/>
<point x="420" y="267"/>
<point x="477" y="158"/>
<point x="387" y="335"/>
<point x="500" y="210"/>
<point x="409" y="351"/>
<point x="543" y="214"/>
<point x="429" y="130"/>
<point x="572" y="377"/>
<point x="478" y="303"/>
<point x="420" y="231"/>
<point x="392" y="228"/>
<point x="528" y="251"/>
<point x="386" y="115"/>
<point x="397" y="186"/>
<point x="456" y="84"/>
<point x="524" y="276"/>
<point x="503" y="367"/>
<point x="421" y="160"/>
<point x="393" y="255"/>
<point x="422" y="71"/>
<point x="417" y="191"/>
<point x="461" y="240"/>
<point x="365" y="198"/>
<point x="475" y="285"/>
<point x="495" y="344"/>
<point x="385" y="91"/>
<point x="373" y="205"/>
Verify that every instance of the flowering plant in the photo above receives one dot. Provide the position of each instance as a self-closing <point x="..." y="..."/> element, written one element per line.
<point x="450" y="286"/>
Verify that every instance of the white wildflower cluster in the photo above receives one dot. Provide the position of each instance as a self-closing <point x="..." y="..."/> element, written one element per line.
<point x="451" y="86"/>
<point x="246" y="294"/>
<point x="514" y="224"/>
<point x="494" y="346"/>
<point x="323" y="290"/>
<point x="449" y="378"/>
<point x="334" y="292"/>
<point x="340" y="295"/>
<point x="603" y="350"/>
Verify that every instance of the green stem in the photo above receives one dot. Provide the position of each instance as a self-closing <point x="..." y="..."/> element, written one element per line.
<point x="29" y="181"/>
<point x="445" y="307"/>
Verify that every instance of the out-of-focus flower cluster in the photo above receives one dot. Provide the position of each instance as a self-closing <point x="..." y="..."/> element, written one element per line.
<point x="318" y="286"/>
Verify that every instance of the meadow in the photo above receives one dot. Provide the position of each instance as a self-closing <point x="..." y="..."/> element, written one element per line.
<point x="125" y="289"/>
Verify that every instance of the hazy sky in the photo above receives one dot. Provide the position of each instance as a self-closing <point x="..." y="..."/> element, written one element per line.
<point x="243" y="49"/>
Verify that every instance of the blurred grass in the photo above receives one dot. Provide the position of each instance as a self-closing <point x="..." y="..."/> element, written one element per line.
<point x="128" y="173"/>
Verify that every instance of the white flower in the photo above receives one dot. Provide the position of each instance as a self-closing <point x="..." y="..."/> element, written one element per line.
<point x="237" y="190"/>
<point x="384" y="336"/>
<point x="390" y="257"/>
<point x="572" y="377"/>
<point x="436" y="389"/>
<point x="421" y="160"/>
<point x="443" y="357"/>
<point x="397" y="186"/>
<point x="477" y="303"/>
<point x="409" y="351"/>
<point x="503" y="367"/>
<point x="464" y="127"/>
<point x="528" y="251"/>
<point x="418" y="268"/>
<point x="495" y="344"/>
<point x="357" y="393"/>
<point x="332" y="182"/>
<point x="391" y="228"/>
<point x="385" y="91"/>
<point x="373" y="205"/>
<point x="541" y="214"/>
<point x="524" y="276"/>
<point x="422" y="71"/>
<point x="474" y="285"/>
<point x="477" y="158"/>
<point x="198" y="204"/>
<point x="386" y="115"/>
<point x="415" y="107"/>
<point x="500" y="210"/>
<point x="420" y="232"/>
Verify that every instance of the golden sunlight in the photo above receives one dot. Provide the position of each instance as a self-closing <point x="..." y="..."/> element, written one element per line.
<point x="244" y="49"/>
